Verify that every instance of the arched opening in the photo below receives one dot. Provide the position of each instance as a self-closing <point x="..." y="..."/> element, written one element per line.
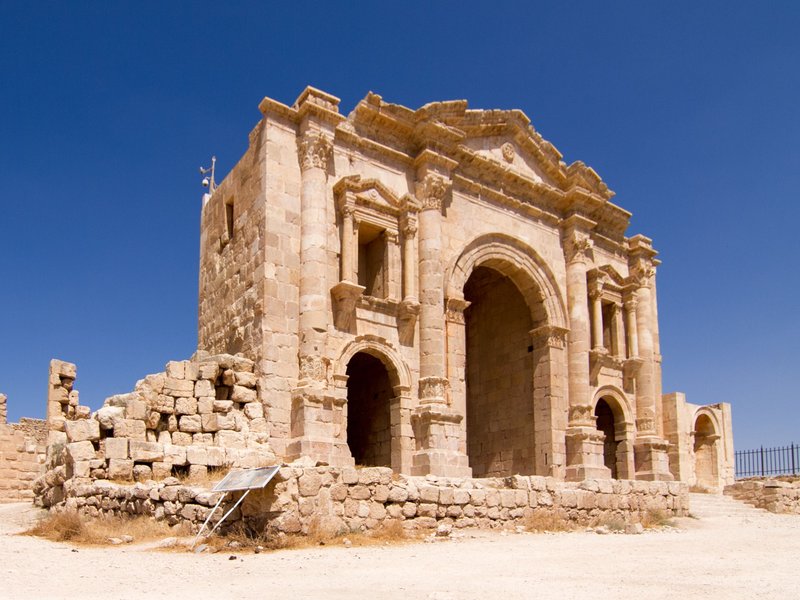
<point x="499" y="376"/>
<point x="705" y="453"/>
<point x="369" y="393"/>
<point x="606" y="423"/>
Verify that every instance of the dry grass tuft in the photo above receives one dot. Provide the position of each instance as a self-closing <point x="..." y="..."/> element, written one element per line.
<point x="655" y="519"/>
<point x="208" y="480"/>
<point x="612" y="522"/>
<point x="241" y="538"/>
<point x="547" y="520"/>
<point x="70" y="526"/>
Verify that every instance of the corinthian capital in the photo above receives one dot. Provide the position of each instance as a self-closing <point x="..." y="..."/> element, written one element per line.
<point x="431" y="191"/>
<point x="577" y="246"/>
<point x="642" y="271"/>
<point x="314" y="150"/>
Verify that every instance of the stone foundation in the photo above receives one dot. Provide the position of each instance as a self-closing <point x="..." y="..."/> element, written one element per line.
<point x="774" y="495"/>
<point x="333" y="500"/>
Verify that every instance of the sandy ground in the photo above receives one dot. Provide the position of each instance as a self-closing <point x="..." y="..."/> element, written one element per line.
<point x="724" y="553"/>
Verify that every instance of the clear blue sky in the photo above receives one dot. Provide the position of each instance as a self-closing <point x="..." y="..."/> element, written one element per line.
<point x="690" y="111"/>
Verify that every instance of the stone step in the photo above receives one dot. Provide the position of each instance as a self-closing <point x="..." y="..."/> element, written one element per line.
<point x="717" y="505"/>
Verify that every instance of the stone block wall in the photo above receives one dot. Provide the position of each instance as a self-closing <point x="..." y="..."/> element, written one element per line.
<point x="22" y="452"/>
<point x="198" y="414"/>
<point x="333" y="500"/>
<point x="774" y="495"/>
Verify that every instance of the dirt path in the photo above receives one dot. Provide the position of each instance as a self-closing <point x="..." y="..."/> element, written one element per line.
<point x="723" y="554"/>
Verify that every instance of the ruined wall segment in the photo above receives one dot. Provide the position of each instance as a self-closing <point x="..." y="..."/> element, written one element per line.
<point x="22" y="453"/>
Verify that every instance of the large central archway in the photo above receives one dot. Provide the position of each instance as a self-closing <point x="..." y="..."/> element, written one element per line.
<point x="369" y="395"/>
<point x="499" y="376"/>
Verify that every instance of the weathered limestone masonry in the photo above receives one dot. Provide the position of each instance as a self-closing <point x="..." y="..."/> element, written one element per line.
<point x="199" y="414"/>
<point x="774" y="495"/>
<point x="333" y="500"/>
<point x="436" y="291"/>
<point x="22" y="452"/>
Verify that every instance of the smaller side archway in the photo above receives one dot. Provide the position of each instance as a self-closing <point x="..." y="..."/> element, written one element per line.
<point x="706" y="452"/>
<point x="376" y="383"/>
<point x="612" y="414"/>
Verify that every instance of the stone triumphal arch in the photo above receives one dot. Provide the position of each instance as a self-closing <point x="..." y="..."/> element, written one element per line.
<point x="437" y="291"/>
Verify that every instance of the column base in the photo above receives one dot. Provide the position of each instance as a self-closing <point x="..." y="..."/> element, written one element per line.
<point x="437" y="432"/>
<point x="319" y="429"/>
<point x="651" y="459"/>
<point x="585" y="454"/>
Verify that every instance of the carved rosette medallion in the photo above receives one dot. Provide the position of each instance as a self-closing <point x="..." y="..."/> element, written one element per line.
<point x="431" y="192"/>
<point x="577" y="246"/>
<point x="508" y="152"/>
<point x="314" y="150"/>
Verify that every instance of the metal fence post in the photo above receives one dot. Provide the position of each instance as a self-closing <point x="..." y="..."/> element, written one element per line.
<point x="793" y="469"/>
<point x="762" y="461"/>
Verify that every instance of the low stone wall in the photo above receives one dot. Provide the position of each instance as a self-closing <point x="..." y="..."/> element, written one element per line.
<point x="774" y="495"/>
<point x="302" y="499"/>
<point x="22" y="454"/>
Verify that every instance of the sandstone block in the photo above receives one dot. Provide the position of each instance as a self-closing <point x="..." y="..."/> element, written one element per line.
<point x="116" y="448"/>
<point x="82" y="430"/>
<point x="204" y="388"/>
<point x="243" y="394"/>
<point x="180" y="438"/>
<point x="223" y="406"/>
<point x="136" y="409"/>
<point x="244" y="378"/>
<point x="121" y="469"/>
<point x="190" y="423"/>
<point x="175" y="369"/>
<point x="164" y="404"/>
<point x="191" y="370"/>
<point x="254" y="410"/>
<point x="179" y="388"/>
<point x="230" y="439"/>
<point x="175" y="454"/>
<point x="216" y="456"/>
<point x="130" y="428"/>
<point x="208" y="371"/>
<point x="185" y="406"/>
<point x="80" y="451"/>
<point x="107" y="416"/>
<point x="146" y="451"/>
<point x="205" y="406"/>
<point x="196" y="455"/>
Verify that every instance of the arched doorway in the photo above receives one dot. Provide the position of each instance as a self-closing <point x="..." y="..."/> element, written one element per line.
<point x="369" y="394"/>
<point x="499" y="376"/>
<point x="705" y="453"/>
<point x="606" y="423"/>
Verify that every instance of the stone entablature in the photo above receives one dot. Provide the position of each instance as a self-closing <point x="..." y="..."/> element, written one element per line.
<point x="378" y="225"/>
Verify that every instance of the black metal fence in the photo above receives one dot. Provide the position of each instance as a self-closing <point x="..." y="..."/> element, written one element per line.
<point x="768" y="461"/>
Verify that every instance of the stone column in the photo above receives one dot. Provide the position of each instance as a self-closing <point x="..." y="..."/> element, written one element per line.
<point x="394" y="269"/>
<point x="318" y="426"/>
<point x="315" y="150"/>
<point x="408" y="310"/>
<point x="652" y="461"/>
<point x="584" y="441"/>
<point x="432" y="381"/>
<point x="595" y="294"/>
<point x="438" y="427"/>
<point x="349" y="253"/>
<point x="632" y="336"/>
<point x="616" y="328"/>
<point x="409" y="261"/>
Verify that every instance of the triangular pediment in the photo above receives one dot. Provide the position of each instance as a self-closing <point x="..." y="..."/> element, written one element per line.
<point x="372" y="193"/>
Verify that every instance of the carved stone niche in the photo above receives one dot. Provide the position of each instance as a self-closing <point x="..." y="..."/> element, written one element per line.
<point x="377" y="263"/>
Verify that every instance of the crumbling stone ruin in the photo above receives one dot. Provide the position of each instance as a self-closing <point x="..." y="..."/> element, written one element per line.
<point x="426" y="315"/>
<point x="22" y="453"/>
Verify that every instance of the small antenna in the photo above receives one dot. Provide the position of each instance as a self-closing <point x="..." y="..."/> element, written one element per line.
<point x="208" y="181"/>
